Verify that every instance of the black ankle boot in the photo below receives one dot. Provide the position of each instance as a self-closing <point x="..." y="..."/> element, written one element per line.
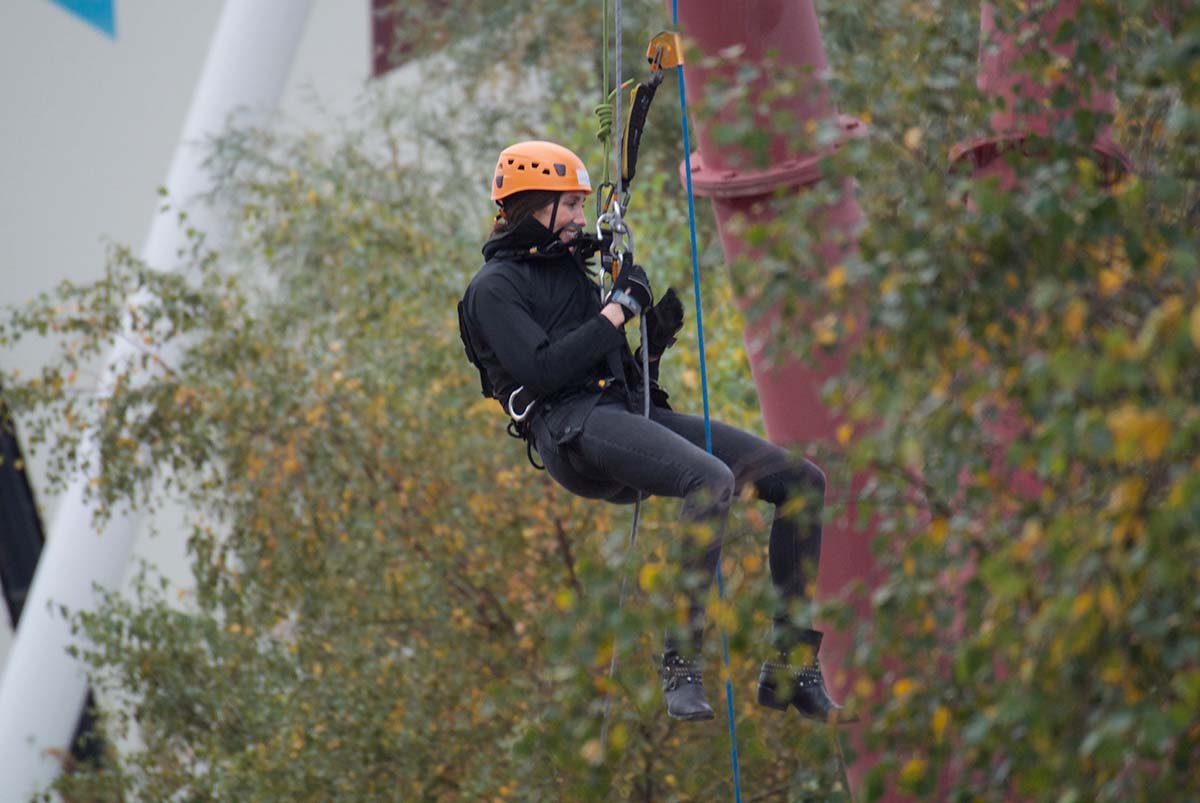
<point x="683" y="687"/>
<point x="782" y="683"/>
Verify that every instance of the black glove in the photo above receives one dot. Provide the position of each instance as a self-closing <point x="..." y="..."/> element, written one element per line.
<point x="663" y="322"/>
<point x="632" y="291"/>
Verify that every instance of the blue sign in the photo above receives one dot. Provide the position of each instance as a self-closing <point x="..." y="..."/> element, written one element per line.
<point x="98" y="13"/>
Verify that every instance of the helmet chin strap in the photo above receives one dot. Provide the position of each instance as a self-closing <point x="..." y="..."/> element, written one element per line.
<point x="572" y="226"/>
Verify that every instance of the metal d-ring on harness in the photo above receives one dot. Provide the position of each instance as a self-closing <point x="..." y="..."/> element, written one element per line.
<point x="512" y="406"/>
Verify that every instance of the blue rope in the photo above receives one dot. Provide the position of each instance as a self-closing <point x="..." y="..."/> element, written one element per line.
<point x="687" y="171"/>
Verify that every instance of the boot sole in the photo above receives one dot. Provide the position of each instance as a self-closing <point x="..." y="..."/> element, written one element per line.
<point x="696" y="717"/>
<point x="767" y="698"/>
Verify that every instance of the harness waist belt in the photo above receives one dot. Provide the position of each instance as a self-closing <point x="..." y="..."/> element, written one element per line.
<point x="519" y="402"/>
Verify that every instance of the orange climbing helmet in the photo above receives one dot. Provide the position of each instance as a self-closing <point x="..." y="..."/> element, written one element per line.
<point x="537" y="165"/>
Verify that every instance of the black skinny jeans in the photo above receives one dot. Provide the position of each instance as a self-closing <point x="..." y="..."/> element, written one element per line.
<point x="617" y="454"/>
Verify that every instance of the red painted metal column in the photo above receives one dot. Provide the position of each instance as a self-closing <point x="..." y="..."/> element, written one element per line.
<point x="773" y="38"/>
<point x="1027" y="110"/>
<point x="1027" y="113"/>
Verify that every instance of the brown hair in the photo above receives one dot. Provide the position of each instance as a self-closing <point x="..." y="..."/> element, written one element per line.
<point x="519" y="206"/>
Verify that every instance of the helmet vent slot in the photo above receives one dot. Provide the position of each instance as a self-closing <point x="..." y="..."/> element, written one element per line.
<point x="561" y="169"/>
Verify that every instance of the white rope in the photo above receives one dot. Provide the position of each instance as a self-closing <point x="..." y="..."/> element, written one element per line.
<point x="645" y="346"/>
<point x="617" y="121"/>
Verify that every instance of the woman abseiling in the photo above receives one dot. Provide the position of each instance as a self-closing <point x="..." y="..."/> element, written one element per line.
<point x="546" y="343"/>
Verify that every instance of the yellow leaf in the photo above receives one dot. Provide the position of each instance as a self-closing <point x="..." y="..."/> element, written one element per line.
<point x="648" y="575"/>
<point x="1082" y="604"/>
<point x="1109" y="602"/>
<point x="1110" y="281"/>
<point x="912" y="771"/>
<point x="1031" y="535"/>
<point x="1126" y="495"/>
<point x="938" y="528"/>
<point x="826" y="330"/>
<point x="1194" y="326"/>
<point x="1139" y="433"/>
<point x="1176" y="496"/>
<point x="844" y="431"/>
<point x="941" y="718"/>
<point x="904" y="687"/>
<point x="836" y="279"/>
<point x="722" y="615"/>
<point x="1156" y="434"/>
<point x="1075" y="317"/>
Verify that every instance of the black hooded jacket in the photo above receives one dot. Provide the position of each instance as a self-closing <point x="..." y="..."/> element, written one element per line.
<point x="532" y="316"/>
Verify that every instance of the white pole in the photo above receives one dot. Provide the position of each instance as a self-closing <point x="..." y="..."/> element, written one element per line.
<point x="43" y="688"/>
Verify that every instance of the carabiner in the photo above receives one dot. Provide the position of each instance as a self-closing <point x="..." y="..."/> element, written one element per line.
<point x="619" y="228"/>
<point x="519" y="417"/>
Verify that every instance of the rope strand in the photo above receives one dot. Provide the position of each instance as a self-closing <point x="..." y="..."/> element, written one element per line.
<point x="609" y="112"/>
<point x="687" y="156"/>
<point x="618" y="36"/>
<point x="606" y="129"/>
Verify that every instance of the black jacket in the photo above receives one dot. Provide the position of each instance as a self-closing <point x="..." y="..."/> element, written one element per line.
<point x="532" y="316"/>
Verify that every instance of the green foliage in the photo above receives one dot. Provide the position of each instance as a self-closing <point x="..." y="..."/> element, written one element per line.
<point x="1024" y="399"/>
<point x="390" y="604"/>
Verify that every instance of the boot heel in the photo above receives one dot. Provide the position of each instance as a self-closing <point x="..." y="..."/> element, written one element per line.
<point x="767" y="697"/>
<point x="769" y="693"/>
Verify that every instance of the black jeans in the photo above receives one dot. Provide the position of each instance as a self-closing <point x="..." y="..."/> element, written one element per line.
<point x="616" y="454"/>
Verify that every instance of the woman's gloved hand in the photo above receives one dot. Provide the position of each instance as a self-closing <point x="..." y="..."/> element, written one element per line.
<point x="632" y="291"/>
<point x="663" y="322"/>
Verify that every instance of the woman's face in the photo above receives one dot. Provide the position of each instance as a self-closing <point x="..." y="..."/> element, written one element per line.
<point x="569" y="219"/>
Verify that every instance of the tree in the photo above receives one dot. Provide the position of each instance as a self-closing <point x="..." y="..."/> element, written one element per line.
<point x="391" y="605"/>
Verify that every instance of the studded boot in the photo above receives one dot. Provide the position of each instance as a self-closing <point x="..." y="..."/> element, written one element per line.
<point x="683" y="687"/>
<point x="787" y="682"/>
